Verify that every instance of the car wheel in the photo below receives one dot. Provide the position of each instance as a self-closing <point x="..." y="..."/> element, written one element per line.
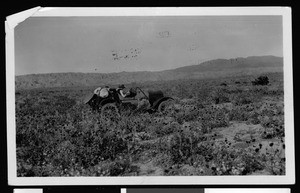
<point x="110" y="111"/>
<point x="165" y="106"/>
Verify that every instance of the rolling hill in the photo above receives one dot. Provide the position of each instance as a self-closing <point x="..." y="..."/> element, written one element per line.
<point x="218" y="68"/>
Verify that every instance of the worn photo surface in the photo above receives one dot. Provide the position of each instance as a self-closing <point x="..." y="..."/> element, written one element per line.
<point x="136" y="96"/>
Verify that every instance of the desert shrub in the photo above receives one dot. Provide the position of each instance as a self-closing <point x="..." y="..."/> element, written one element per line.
<point x="260" y="91"/>
<point x="221" y="159"/>
<point x="183" y="143"/>
<point x="272" y="119"/>
<point x="111" y="168"/>
<point x="163" y="129"/>
<point x="211" y="117"/>
<point x="274" y="127"/>
<point x="245" y="113"/>
<point x="243" y="98"/>
<point x="261" y="80"/>
<point x="275" y="163"/>
<point x="185" y="116"/>
<point x="220" y="95"/>
<point x="211" y="158"/>
<point x="203" y="95"/>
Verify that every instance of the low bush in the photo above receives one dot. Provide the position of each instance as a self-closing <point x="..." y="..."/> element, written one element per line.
<point x="261" y="80"/>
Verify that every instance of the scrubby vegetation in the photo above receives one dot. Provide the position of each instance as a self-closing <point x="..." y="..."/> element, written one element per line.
<point x="218" y="127"/>
<point x="262" y="80"/>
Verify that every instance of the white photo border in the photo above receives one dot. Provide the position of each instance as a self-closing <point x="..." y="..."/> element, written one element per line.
<point x="13" y="20"/>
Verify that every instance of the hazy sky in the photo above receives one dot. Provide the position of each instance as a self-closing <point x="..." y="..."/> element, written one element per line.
<point x="114" y="44"/>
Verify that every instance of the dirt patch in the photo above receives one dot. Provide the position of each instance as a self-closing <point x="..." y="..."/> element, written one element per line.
<point x="239" y="131"/>
<point x="242" y="135"/>
<point x="149" y="169"/>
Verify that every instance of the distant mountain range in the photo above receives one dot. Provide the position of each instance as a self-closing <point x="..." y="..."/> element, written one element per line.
<point x="210" y="69"/>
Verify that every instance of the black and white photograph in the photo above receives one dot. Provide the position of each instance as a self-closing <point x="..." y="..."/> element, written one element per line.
<point x="147" y="96"/>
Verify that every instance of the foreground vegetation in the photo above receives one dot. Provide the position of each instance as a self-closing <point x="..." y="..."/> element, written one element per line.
<point x="224" y="126"/>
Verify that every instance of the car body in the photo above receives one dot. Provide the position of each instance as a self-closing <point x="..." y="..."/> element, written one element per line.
<point x="155" y="98"/>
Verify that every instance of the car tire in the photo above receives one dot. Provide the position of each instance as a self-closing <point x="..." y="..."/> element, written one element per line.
<point x="162" y="107"/>
<point x="110" y="111"/>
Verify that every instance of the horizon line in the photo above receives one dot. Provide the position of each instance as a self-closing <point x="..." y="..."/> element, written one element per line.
<point x="143" y="70"/>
